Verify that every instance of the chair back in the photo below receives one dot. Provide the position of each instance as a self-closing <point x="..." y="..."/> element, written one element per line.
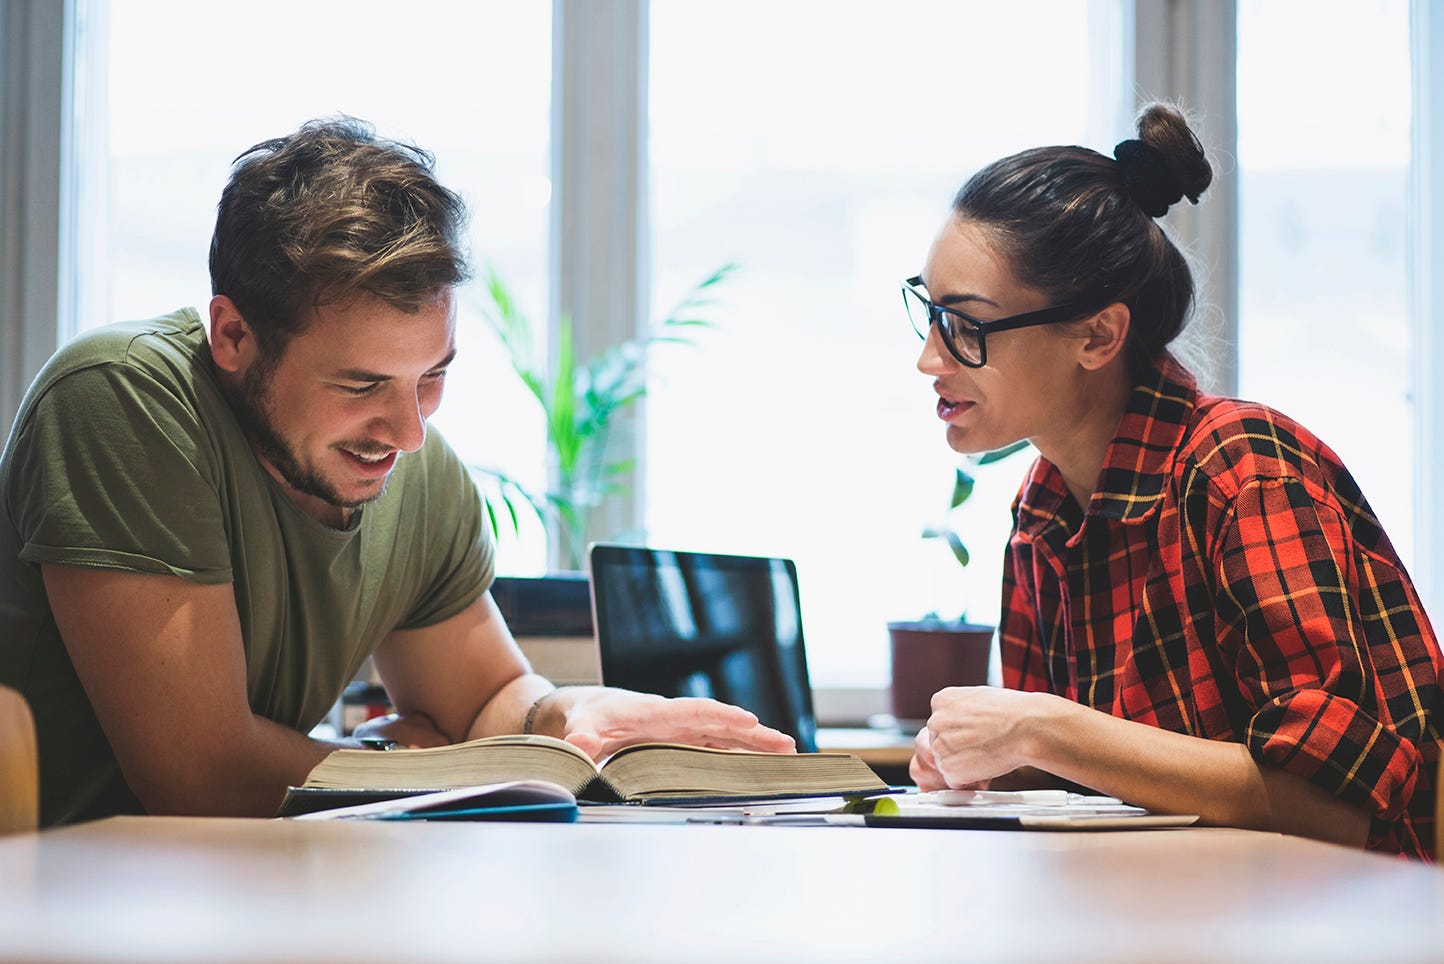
<point x="19" y="765"/>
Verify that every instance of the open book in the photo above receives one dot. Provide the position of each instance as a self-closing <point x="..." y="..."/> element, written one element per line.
<point x="644" y="773"/>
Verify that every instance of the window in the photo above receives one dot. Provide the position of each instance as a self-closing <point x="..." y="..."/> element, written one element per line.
<point x="1323" y="166"/>
<point x="818" y="145"/>
<point x="808" y="142"/>
<point x="192" y="85"/>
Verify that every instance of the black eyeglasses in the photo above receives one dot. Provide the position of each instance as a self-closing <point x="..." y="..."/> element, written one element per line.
<point x="964" y="335"/>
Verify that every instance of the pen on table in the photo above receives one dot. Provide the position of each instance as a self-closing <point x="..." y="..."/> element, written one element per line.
<point x="764" y="820"/>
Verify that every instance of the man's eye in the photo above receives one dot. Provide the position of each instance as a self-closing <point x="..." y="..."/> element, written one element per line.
<point x="358" y="389"/>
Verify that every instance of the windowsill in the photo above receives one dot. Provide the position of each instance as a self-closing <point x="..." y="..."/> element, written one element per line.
<point x="848" y="705"/>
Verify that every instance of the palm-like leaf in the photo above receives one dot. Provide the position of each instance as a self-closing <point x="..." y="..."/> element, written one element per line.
<point x="997" y="455"/>
<point x="963" y="484"/>
<point x="581" y="401"/>
<point x="962" y="488"/>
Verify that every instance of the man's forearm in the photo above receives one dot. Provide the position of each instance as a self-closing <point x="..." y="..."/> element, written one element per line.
<point x="507" y="710"/>
<point x="245" y="779"/>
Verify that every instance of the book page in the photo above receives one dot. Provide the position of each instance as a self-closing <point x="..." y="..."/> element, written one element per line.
<point x="664" y="771"/>
<point x="494" y="759"/>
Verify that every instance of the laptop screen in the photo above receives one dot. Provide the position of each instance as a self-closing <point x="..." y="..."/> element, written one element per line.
<point x="702" y="624"/>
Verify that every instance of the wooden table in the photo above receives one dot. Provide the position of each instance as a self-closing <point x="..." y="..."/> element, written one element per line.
<point x="194" y="889"/>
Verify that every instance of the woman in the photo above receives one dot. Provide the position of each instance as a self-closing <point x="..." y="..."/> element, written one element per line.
<point x="1201" y="613"/>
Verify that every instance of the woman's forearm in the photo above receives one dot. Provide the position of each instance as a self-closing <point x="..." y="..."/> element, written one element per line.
<point x="1166" y="771"/>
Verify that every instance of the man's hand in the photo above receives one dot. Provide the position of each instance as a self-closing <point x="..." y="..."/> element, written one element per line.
<point x="601" y="720"/>
<point x="413" y="730"/>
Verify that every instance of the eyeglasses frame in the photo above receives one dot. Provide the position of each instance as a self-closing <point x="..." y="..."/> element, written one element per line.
<point x="1028" y="319"/>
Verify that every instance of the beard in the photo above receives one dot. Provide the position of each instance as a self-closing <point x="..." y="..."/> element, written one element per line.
<point x="255" y="413"/>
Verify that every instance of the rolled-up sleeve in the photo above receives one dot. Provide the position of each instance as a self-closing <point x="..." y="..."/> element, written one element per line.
<point x="1323" y="644"/>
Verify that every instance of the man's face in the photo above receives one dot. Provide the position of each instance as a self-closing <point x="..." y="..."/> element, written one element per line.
<point x="330" y="416"/>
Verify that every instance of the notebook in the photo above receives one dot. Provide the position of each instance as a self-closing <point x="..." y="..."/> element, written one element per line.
<point x="729" y="627"/>
<point x="1004" y="810"/>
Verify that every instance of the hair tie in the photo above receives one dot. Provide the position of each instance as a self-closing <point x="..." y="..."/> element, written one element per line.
<point x="1147" y="178"/>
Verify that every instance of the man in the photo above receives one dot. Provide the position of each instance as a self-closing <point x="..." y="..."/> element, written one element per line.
<point x="209" y="524"/>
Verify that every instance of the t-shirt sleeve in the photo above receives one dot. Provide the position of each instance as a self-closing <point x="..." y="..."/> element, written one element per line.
<point x="114" y="470"/>
<point x="461" y="556"/>
<point x="1324" y="676"/>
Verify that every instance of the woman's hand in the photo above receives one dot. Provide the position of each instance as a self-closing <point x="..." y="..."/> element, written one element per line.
<point x="923" y="769"/>
<point x="977" y="733"/>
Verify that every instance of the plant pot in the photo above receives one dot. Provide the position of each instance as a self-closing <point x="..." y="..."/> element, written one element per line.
<point x="930" y="655"/>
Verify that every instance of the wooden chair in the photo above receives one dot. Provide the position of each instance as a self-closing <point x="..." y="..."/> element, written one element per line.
<point x="19" y="765"/>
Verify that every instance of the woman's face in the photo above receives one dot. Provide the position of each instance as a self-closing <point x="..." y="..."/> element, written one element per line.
<point x="1031" y="382"/>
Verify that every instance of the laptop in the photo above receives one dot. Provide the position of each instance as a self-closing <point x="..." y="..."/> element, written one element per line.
<point x="727" y="627"/>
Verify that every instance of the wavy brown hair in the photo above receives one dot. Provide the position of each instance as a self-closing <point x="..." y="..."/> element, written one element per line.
<point x="328" y="213"/>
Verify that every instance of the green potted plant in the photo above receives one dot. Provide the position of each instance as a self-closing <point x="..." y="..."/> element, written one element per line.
<point x="934" y="652"/>
<point x="581" y="400"/>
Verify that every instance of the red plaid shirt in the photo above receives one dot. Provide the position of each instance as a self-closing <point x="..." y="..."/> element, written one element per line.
<point x="1229" y="581"/>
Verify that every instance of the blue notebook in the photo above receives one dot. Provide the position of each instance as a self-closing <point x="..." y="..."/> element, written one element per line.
<point x="518" y="800"/>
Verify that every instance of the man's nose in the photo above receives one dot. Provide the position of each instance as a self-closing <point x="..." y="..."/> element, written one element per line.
<point x="404" y="424"/>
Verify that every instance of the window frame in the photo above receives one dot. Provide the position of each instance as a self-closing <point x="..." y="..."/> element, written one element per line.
<point x="1424" y="214"/>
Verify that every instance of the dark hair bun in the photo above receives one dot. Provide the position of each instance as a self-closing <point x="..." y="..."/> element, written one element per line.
<point x="1165" y="164"/>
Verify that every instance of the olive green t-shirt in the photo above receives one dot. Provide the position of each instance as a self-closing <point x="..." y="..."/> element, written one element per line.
<point x="126" y="456"/>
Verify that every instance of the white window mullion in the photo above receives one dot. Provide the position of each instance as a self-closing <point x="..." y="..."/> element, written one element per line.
<point x="83" y="276"/>
<point x="32" y="121"/>
<point x="599" y="211"/>
<point x="1185" y="51"/>
<point x="1424" y="215"/>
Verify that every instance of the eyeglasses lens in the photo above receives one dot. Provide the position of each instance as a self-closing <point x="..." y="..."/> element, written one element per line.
<point x="960" y="338"/>
<point x="917" y="312"/>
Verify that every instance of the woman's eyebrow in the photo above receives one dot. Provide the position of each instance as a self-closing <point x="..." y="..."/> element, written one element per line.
<point x="965" y="298"/>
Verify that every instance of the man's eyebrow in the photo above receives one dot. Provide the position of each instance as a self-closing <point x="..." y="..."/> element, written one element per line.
<point x="362" y="375"/>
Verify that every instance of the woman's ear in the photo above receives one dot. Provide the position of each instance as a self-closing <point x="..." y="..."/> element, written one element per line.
<point x="233" y="344"/>
<point x="1106" y="334"/>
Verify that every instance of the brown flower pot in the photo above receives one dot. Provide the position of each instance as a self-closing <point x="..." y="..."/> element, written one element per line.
<point x="930" y="655"/>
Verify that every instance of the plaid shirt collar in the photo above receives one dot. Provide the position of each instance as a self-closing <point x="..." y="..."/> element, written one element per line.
<point x="1136" y="467"/>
